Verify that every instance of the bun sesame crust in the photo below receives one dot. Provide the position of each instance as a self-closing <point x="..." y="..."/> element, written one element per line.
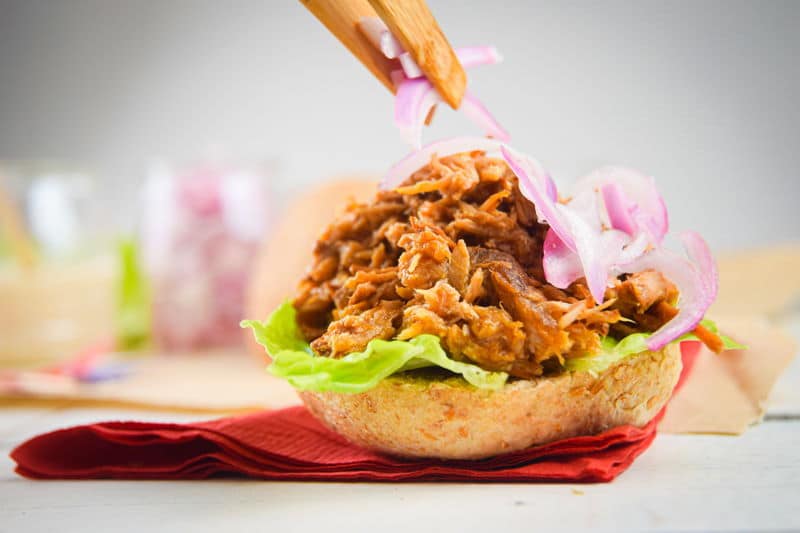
<point x="409" y="416"/>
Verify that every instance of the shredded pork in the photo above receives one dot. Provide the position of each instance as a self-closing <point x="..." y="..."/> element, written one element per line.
<point x="456" y="252"/>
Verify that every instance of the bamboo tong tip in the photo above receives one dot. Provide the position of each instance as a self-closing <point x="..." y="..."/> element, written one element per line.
<point x="413" y="26"/>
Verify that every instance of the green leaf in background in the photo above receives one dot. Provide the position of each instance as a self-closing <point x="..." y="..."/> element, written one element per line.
<point x="293" y="359"/>
<point x="133" y="299"/>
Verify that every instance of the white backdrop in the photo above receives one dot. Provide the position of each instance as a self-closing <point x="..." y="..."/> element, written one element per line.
<point x="703" y="95"/>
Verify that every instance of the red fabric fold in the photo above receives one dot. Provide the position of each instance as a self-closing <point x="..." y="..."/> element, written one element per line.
<point x="290" y="444"/>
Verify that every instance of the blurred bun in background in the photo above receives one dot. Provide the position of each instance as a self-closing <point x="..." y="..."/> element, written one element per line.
<point x="284" y="257"/>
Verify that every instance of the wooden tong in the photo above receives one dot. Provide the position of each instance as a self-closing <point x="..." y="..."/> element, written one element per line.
<point x="412" y="24"/>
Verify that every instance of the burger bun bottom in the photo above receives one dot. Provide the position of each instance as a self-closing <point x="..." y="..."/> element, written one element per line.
<point x="414" y="415"/>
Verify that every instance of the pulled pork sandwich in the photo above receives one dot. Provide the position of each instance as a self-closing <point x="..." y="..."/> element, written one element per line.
<point x="468" y="310"/>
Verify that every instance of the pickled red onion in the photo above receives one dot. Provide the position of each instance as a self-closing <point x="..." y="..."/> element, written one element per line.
<point x="381" y="38"/>
<point x="696" y="279"/>
<point x="414" y="101"/>
<point x="635" y="201"/>
<point x="415" y="95"/>
<point x="468" y="56"/>
<point x="474" y="56"/>
<point x="561" y="265"/>
<point x="577" y="237"/>
<point x="410" y="67"/>
<point x="537" y="186"/>
<point x="477" y="113"/>
<point x="619" y="208"/>
<point x="574" y="230"/>
<point x="698" y="252"/>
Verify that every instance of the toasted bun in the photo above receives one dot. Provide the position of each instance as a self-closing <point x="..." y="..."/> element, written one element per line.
<point x="416" y="417"/>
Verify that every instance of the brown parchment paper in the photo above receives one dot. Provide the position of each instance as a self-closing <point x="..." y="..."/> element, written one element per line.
<point x="759" y="291"/>
<point x="213" y="382"/>
<point x="761" y="281"/>
<point x="727" y="392"/>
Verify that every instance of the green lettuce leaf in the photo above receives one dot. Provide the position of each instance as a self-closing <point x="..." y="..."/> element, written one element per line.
<point x="293" y="359"/>
<point x="613" y="351"/>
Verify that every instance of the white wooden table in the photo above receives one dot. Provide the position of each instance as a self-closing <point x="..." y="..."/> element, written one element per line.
<point x="684" y="482"/>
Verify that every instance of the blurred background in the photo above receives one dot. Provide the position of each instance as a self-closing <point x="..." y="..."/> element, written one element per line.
<point x="109" y="112"/>
<point x="701" y="94"/>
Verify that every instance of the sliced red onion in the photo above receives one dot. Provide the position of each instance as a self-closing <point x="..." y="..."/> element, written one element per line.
<point x="419" y="158"/>
<point x="562" y="266"/>
<point x="597" y="250"/>
<point x="413" y="102"/>
<point x="475" y="56"/>
<point x="618" y="208"/>
<point x="468" y="56"/>
<point x="634" y="249"/>
<point x="696" y="281"/>
<point x="550" y="188"/>
<point x="578" y="244"/>
<point x="637" y="196"/>
<point x="416" y="96"/>
<point x="536" y="186"/>
<point x="381" y="38"/>
<point x="410" y="67"/>
<point x="698" y="252"/>
<point x="477" y="113"/>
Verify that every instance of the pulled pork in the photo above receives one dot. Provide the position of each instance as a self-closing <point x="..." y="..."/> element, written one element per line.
<point x="457" y="252"/>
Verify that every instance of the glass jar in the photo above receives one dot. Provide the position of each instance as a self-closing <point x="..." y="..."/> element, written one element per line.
<point x="201" y="227"/>
<point x="57" y="268"/>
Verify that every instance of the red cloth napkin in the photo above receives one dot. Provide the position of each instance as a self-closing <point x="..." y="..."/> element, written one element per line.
<point x="290" y="444"/>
